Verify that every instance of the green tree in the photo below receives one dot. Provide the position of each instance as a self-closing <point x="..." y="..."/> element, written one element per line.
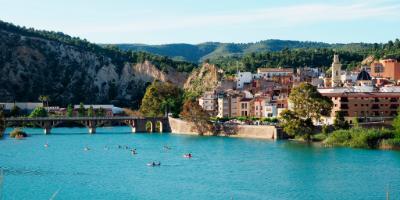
<point x="194" y="113"/>
<point x="308" y="103"/>
<point x="81" y="110"/>
<point x="38" y="112"/>
<point x="90" y="112"/>
<point x="101" y="112"/>
<point x="44" y="99"/>
<point x="340" y="122"/>
<point x="396" y="124"/>
<point x="295" y="126"/>
<point x="161" y="97"/>
<point x="70" y="110"/>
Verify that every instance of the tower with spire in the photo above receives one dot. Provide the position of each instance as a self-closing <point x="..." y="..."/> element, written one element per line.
<point x="336" y="71"/>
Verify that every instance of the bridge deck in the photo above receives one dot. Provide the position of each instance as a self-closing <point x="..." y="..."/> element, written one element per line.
<point x="28" y="119"/>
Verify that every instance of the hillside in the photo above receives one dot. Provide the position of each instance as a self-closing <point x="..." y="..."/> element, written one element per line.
<point x="202" y="79"/>
<point x="71" y="70"/>
<point x="213" y="50"/>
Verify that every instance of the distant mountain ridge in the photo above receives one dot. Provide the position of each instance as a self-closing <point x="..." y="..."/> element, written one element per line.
<point x="211" y="50"/>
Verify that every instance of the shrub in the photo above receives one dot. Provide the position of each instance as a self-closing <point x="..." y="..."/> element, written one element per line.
<point x="319" y="137"/>
<point x="39" y="112"/>
<point x="18" y="133"/>
<point x="338" y="138"/>
<point x="241" y="118"/>
<point x="392" y="142"/>
<point x="271" y="119"/>
<point x="359" y="137"/>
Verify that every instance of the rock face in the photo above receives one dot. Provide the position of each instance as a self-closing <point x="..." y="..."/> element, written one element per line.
<point x="203" y="79"/>
<point x="148" y="72"/>
<point x="32" y="66"/>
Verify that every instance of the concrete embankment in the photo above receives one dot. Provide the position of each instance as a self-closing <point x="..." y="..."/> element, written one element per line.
<point x="179" y="126"/>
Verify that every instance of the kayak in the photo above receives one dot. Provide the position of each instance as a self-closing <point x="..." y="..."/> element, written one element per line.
<point x="153" y="165"/>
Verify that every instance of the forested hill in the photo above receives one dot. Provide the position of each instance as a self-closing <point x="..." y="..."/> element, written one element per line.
<point x="213" y="50"/>
<point x="71" y="70"/>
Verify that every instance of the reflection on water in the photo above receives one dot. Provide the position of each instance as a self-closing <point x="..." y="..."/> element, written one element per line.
<point x="221" y="168"/>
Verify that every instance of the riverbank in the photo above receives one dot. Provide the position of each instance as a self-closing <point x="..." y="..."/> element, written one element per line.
<point x="179" y="126"/>
<point x="366" y="138"/>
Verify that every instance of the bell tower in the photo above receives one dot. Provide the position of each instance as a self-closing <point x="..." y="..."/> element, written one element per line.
<point x="336" y="71"/>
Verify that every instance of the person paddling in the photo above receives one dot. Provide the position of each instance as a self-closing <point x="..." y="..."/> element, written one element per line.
<point x="189" y="155"/>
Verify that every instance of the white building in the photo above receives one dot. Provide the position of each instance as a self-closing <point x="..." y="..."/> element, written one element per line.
<point x="269" y="73"/>
<point x="208" y="101"/>
<point x="23" y="106"/>
<point x="242" y="78"/>
<point x="349" y="77"/>
<point x="270" y="110"/>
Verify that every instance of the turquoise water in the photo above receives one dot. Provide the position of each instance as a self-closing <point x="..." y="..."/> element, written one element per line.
<point x="222" y="168"/>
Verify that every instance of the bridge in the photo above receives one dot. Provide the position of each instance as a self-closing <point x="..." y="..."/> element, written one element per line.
<point x="137" y="124"/>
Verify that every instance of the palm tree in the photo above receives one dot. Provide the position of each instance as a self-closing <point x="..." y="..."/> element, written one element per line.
<point x="45" y="100"/>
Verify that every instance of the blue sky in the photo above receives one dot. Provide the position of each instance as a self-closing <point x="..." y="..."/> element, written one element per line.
<point x="196" y="21"/>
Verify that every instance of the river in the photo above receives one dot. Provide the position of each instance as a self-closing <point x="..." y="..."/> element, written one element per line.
<point x="221" y="168"/>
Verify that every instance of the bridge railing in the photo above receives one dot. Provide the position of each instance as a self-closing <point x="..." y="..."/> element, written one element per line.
<point x="63" y="118"/>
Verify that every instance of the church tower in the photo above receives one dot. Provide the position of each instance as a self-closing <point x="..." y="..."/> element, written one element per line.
<point x="336" y="71"/>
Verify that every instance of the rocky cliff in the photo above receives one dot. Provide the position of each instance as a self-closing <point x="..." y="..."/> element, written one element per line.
<point x="148" y="72"/>
<point x="70" y="70"/>
<point x="203" y="79"/>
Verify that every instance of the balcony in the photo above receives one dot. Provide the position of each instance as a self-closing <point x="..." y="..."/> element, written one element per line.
<point x="375" y="106"/>
<point x="344" y="106"/>
<point x="394" y="106"/>
<point x="393" y="100"/>
<point x="344" y="99"/>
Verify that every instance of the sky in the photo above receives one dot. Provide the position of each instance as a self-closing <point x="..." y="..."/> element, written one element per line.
<point x="197" y="21"/>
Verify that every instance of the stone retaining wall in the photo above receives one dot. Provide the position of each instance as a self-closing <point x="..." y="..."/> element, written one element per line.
<point x="179" y="126"/>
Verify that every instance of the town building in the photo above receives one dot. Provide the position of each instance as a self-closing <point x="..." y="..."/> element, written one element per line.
<point x="228" y="103"/>
<point x="243" y="78"/>
<point x="365" y="106"/>
<point x="270" y="73"/>
<point x="388" y="68"/>
<point x="208" y="102"/>
<point x="363" y="101"/>
<point x="258" y="107"/>
<point x="245" y="107"/>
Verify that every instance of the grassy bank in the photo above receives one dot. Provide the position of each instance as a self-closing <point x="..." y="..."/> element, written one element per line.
<point x="358" y="137"/>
